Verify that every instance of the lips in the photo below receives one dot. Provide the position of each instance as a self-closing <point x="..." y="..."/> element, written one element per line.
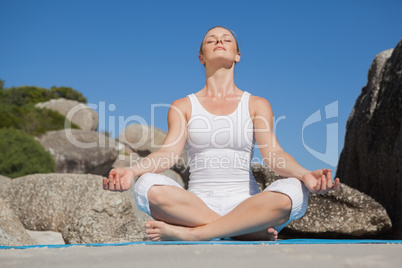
<point x="219" y="48"/>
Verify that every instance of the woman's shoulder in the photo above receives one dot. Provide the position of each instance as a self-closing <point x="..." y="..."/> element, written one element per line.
<point x="259" y="104"/>
<point x="258" y="101"/>
<point x="181" y="101"/>
<point x="184" y="105"/>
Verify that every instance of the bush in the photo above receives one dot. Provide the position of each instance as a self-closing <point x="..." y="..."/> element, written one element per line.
<point x="21" y="154"/>
<point x="24" y="95"/>
<point x="68" y="93"/>
<point x="30" y="119"/>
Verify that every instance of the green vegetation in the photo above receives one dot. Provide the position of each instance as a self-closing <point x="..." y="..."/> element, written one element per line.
<point x="17" y="108"/>
<point x="30" y="119"/>
<point x="31" y="95"/>
<point x="20" y="120"/>
<point x="21" y="154"/>
<point x="67" y="93"/>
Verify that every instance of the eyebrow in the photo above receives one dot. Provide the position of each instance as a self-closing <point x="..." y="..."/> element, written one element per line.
<point x="215" y="36"/>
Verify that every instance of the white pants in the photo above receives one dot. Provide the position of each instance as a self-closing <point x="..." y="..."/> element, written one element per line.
<point x="222" y="203"/>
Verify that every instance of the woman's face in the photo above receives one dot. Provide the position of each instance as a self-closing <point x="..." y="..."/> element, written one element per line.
<point x="219" y="43"/>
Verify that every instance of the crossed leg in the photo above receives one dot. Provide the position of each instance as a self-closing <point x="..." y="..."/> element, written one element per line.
<point x="181" y="215"/>
<point x="177" y="206"/>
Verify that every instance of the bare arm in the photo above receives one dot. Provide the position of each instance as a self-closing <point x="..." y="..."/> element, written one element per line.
<point x="120" y="179"/>
<point x="318" y="181"/>
<point x="172" y="147"/>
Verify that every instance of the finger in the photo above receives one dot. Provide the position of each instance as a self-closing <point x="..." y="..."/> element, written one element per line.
<point x="337" y="184"/>
<point x="111" y="182"/>
<point x="324" y="183"/>
<point x="122" y="185"/>
<point x="104" y="183"/>
<point x="329" y="183"/>
<point x="328" y="174"/>
<point x="117" y="185"/>
<point x="318" y="185"/>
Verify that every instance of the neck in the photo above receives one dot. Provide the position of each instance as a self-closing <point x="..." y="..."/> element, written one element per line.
<point x="220" y="82"/>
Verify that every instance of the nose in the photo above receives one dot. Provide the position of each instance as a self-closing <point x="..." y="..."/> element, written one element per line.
<point x="219" y="41"/>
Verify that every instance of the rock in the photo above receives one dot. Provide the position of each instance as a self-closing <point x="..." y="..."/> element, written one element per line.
<point x="140" y="217"/>
<point x="346" y="213"/>
<point x="77" y="112"/>
<point x="12" y="232"/>
<point x="144" y="139"/>
<point x="100" y="228"/>
<point x="46" y="237"/>
<point x="183" y="169"/>
<point x="70" y="202"/>
<point x="263" y="175"/>
<point x="79" y="151"/>
<point x="126" y="160"/>
<point x="372" y="155"/>
<point x="3" y="181"/>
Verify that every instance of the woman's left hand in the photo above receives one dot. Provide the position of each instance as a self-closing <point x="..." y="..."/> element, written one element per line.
<point x="320" y="181"/>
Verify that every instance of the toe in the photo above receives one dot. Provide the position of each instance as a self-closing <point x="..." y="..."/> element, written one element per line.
<point x="150" y="224"/>
<point x="153" y="224"/>
<point x="151" y="231"/>
<point x="153" y="236"/>
<point x="272" y="230"/>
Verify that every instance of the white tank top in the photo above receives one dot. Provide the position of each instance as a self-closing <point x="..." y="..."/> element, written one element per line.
<point x="220" y="149"/>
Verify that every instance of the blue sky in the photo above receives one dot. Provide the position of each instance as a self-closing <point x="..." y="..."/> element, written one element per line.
<point x="303" y="56"/>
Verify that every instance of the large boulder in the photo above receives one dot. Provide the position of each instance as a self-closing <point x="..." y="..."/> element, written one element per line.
<point x="12" y="232"/>
<point x="74" y="204"/>
<point x="77" y="112"/>
<point x="79" y="151"/>
<point x="142" y="139"/>
<point x="372" y="155"/>
<point x="346" y="213"/>
<point x="145" y="139"/>
<point x="3" y="181"/>
<point x="100" y="228"/>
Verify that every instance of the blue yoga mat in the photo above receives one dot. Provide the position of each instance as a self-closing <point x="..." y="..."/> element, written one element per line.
<point x="223" y="242"/>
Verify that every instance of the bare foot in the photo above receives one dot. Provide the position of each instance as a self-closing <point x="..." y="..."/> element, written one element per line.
<point x="265" y="235"/>
<point x="161" y="231"/>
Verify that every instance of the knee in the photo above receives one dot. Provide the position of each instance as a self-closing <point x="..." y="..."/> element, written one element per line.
<point x="282" y="204"/>
<point x="156" y="195"/>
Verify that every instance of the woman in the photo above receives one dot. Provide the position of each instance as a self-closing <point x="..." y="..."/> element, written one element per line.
<point x="219" y="126"/>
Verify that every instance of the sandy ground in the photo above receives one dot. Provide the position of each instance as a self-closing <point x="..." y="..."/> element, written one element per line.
<point x="327" y="256"/>
<point x="301" y="256"/>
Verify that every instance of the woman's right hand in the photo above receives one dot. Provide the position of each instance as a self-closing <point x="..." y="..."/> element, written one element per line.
<point x="120" y="179"/>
